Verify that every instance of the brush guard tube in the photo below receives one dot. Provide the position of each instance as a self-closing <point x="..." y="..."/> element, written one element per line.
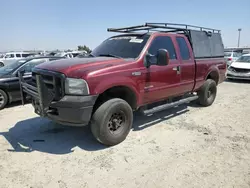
<point x="40" y="94"/>
<point x="68" y="110"/>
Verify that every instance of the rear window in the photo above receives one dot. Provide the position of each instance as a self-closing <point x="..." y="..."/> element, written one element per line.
<point x="207" y="45"/>
<point x="227" y="54"/>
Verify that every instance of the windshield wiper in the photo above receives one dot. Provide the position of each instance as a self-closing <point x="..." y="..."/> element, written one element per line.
<point x="110" y="55"/>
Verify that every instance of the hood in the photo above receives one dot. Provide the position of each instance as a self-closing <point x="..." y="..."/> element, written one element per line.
<point x="67" y="66"/>
<point x="241" y="65"/>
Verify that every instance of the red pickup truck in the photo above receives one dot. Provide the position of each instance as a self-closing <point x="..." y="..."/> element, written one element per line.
<point x="144" y="65"/>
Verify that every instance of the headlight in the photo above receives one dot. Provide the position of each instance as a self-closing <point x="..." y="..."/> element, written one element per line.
<point x="229" y="68"/>
<point x="75" y="86"/>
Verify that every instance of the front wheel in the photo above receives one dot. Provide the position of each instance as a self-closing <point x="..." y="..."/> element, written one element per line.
<point x="112" y="122"/>
<point x="207" y="93"/>
<point x="1" y="64"/>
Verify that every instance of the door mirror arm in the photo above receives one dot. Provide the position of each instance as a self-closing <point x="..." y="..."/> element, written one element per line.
<point x="149" y="60"/>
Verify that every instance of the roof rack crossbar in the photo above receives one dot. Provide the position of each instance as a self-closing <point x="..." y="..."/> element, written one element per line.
<point x="186" y="26"/>
<point x="125" y="28"/>
<point x="168" y="27"/>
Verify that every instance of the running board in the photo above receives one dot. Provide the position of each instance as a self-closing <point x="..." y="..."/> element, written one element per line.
<point x="169" y="105"/>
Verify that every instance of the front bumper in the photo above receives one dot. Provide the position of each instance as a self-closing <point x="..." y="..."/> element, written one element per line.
<point x="70" y="110"/>
<point x="63" y="109"/>
<point x="240" y="76"/>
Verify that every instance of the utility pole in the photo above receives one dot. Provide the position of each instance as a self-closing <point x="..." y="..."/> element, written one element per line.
<point x="239" y="37"/>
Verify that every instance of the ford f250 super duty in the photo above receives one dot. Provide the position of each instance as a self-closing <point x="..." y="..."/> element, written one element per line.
<point x="142" y="66"/>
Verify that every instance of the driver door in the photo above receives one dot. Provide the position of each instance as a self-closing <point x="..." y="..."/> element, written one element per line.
<point x="162" y="82"/>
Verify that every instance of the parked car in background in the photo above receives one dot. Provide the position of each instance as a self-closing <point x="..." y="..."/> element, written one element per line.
<point x="9" y="81"/>
<point x="69" y="54"/>
<point x="12" y="56"/>
<point x="231" y="56"/>
<point x="83" y="54"/>
<point x="240" y="69"/>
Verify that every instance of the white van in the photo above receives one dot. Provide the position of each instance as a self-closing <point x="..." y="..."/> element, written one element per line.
<point x="12" y="56"/>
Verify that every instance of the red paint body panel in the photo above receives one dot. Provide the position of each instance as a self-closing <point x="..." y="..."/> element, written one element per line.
<point x="153" y="84"/>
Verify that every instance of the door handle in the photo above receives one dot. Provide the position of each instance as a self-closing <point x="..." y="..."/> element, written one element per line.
<point x="177" y="69"/>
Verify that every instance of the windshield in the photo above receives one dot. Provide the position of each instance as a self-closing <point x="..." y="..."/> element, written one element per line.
<point x="11" y="67"/>
<point x="60" y="54"/>
<point x="245" y="59"/>
<point x="122" y="46"/>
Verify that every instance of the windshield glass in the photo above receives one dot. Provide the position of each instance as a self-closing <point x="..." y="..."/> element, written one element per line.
<point x="245" y="59"/>
<point x="60" y="54"/>
<point x="11" y="67"/>
<point x="122" y="46"/>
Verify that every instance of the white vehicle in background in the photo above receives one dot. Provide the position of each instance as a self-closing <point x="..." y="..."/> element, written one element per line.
<point x="72" y="54"/>
<point x="231" y="56"/>
<point x="12" y="56"/>
<point x="240" y="69"/>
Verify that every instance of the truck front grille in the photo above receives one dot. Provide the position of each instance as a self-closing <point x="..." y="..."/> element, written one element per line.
<point x="54" y="82"/>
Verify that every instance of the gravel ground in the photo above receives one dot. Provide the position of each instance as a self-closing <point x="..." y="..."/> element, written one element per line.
<point x="186" y="147"/>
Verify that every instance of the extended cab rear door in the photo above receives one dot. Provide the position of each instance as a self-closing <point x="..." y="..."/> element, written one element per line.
<point x="187" y="63"/>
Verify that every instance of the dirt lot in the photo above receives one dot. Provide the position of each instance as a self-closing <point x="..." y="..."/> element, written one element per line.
<point x="187" y="146"/>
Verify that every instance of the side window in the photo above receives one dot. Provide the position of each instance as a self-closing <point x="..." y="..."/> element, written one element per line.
<point x="185" y="54"/>
<point x="18" y="55"/>
<point x="25" y="55"/>
<point x="163" y="42"/>
<point x="31" y="64"/>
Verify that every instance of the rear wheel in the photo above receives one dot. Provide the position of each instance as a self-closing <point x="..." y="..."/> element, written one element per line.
<point x="3" y="99"/>
<point x="112" y="122"/>
<point x="1" y="64"/>
<point x="207" y="93"/>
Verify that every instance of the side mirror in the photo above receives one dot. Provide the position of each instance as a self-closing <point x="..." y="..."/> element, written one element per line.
<point x="162" y="57"/>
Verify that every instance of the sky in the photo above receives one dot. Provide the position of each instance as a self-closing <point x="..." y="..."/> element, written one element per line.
<point x="64" y="24"/>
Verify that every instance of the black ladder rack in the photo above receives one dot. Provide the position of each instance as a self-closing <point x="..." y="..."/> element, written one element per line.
<point x="162" y="27"/>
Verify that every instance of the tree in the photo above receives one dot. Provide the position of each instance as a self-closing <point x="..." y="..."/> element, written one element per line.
<point x="84" y="48"/>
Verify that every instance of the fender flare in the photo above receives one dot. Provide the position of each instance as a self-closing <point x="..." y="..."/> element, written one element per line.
<point x="214" y="73"/>
<point x="117" y="82"/>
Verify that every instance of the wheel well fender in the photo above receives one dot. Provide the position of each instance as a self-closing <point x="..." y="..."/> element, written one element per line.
<point x="214" y="75"/>
<point x="119" y="91"/>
